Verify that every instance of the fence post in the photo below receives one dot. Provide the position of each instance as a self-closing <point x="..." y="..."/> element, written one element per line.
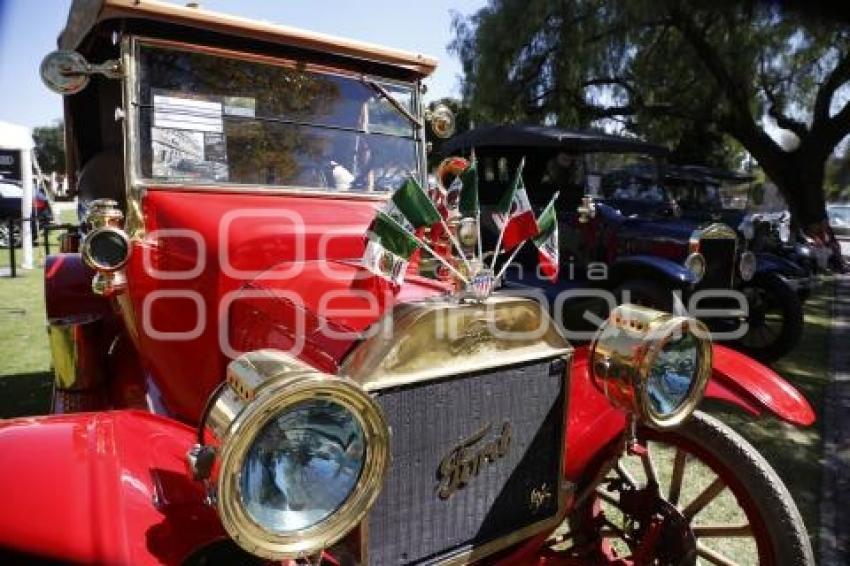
<point x="10" y="223"/>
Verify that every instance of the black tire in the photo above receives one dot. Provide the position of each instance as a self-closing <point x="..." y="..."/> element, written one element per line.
<point x="645" y="292"/>
<point x="773" y="297"/>
<point x="779" y="532"/>
<point x="782" y="520"/>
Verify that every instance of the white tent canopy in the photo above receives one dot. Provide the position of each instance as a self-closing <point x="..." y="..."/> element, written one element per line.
<point x="15" y="137"/>
<point x="20" y="137"/>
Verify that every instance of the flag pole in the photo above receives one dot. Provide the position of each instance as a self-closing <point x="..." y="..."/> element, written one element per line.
<point x="498" y="245"/>
<point x="480" y="243"/>
<point x="507" y="217"/>
<point x="510" y="260"/>
<point x="428" y="249"/>
<point x="478" y="213"/>
<point x="455" y="243"/>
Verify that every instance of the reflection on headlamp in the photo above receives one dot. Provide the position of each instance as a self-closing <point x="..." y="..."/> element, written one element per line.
<point x="303" y="466"/>
<point x="302" y="455"/>
<point x="652" y="364"/>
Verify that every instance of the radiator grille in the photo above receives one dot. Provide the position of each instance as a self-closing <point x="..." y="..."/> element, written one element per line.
<point x="410" y="522"/>
<point x="719" y="262"/>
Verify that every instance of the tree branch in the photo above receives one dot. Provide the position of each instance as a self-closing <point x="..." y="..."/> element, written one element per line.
<point x="839" y="75"/>
<point x="713" y="62"/>
<point x="797" y="127"/>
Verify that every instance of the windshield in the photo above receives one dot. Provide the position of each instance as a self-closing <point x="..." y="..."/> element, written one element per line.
<point x="211" y="119"/>
<point x="632" y="178"/>
<point x="695" y="194"/>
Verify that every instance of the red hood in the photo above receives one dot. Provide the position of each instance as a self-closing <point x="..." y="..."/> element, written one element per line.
<point x="321" y="313"/>
<point x="243" y="270"/>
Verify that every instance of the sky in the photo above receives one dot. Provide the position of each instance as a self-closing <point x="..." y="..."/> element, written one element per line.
<point x="28" y="30"/>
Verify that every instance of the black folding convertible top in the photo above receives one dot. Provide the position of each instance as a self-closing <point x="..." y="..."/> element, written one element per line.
<point x="528" y="135"/>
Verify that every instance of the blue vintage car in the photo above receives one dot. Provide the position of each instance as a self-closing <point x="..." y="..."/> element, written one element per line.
<point x="626" y="234"/>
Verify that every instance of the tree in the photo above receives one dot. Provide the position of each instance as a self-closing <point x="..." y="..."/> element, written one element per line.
<point x="50" y="147"/>
<point x="684" y="72"/>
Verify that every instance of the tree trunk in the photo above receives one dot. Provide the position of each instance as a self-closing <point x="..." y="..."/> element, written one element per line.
<point x="799" y="176"/>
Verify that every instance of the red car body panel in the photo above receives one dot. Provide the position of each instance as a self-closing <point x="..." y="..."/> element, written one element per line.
<point x="108" y="488"/>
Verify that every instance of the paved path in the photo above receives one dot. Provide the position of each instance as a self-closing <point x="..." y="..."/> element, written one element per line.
<point x="835" y="498"/>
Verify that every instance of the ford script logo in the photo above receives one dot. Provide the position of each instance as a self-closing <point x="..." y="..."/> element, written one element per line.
<point x="466" y="459"/>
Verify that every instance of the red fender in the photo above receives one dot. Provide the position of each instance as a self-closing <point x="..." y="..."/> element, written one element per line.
<point x="67" y="288"/>
<point x="101" y="488"/>
<point x="744" y="382"/>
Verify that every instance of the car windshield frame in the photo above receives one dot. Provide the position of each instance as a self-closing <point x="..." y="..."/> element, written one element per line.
<point x="134" y="159"/>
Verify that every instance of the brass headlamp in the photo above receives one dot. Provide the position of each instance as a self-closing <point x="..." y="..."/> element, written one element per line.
<point x="300" y="455"/>
<point x="652" y="364"/>
<point x="106" y="247"/>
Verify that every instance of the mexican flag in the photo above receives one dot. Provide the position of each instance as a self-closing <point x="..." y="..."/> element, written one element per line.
<point x="468" y="200"/>
<point x="547" y="242"/>
<point x="389" y="247"/>
<point x="416" y="207"/>
<point x="514" y="216"/>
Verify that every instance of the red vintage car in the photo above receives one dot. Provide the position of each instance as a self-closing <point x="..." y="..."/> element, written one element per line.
<point x="234" y="383"/>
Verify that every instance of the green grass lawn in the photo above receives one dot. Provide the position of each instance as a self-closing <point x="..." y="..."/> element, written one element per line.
<point x="795" y="453"/>
<point x="25" y="376"/>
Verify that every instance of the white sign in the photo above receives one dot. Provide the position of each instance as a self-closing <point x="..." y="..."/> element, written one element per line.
<point x="187" y="114"/>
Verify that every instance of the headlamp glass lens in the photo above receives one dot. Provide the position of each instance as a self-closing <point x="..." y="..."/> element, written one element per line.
<point x="108" y="249"/>
<point x="748" y="265"/>
<point x="672" y="375"/>
<point x="303" y="466"/>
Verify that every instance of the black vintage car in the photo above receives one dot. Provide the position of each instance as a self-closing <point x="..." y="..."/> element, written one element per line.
<point x="704" y="193"/>
<point x="623" y="234"/>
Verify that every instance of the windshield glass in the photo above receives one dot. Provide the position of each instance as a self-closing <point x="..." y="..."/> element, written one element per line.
<point x="632" y="178"/>
<point x="695" y="194"/>
<point x="211" y="119"/>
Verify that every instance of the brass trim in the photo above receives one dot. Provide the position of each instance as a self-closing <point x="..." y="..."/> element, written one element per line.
<point x="76" y="352"/>
<point x="624" y="350"/>
<point x="86" y="252"/>
<point x="137" y="184"/>
<point x="440" y="338"/>
<point x="160" y="185"/>
<point x="260" y="385"/>
<point x="134" y="223"/>
<point x="104" y="212"/>
<point x="716" y="231"/>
